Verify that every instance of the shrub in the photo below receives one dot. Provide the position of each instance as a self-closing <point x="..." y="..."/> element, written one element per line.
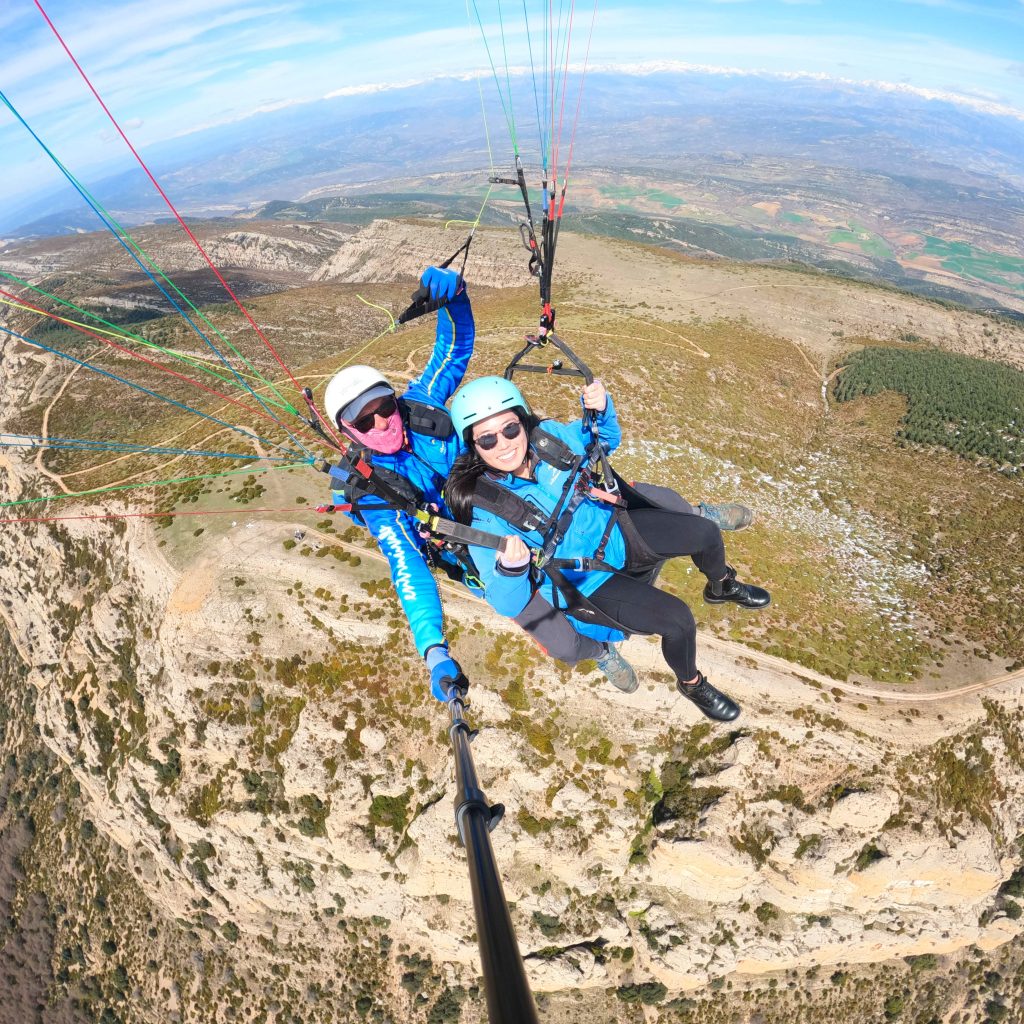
<point x="646" y="992"/>
<point x="894" y="1007"/>
<point x="869" y="854"/>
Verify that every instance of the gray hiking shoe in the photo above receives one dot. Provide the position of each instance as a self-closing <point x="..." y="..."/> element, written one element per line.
<point x="729" y="516"/>
<point x="617" y="670"/>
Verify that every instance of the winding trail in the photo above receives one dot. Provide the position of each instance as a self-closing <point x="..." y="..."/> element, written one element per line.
<point x="694" y="347"/>
<point x="730" y="647"/>
<point x="738" y="650"/>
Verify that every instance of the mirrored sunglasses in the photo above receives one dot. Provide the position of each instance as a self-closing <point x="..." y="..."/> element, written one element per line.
<point x="510" y="432"/>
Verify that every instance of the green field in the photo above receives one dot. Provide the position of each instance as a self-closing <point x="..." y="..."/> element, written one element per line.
<point x="868" y="243"/>
<point x="625" y="195"/>
<point x="794" y="218"/>
<point x="963" y="258"/>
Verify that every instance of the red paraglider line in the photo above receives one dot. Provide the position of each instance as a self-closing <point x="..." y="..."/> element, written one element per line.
<point x="170" y="205"/>
<point x="576" y="119"/>
<point x="561" y="110"/>
<point x="151" y="515"/>
<point x="127" y="351"/>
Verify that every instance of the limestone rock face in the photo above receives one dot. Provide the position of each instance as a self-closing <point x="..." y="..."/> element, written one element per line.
<point x="250" y="728"/>
<point x="864" y="811"/>
<point x="391" y="250"/>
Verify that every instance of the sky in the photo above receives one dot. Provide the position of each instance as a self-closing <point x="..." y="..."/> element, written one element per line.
<point x="167" y="68"/>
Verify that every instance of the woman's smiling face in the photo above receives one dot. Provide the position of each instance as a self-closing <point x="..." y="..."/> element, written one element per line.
<point x="507" y="454"/>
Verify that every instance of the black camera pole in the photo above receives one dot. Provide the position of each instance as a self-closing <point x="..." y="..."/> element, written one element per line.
<point x="509" y="1000"/>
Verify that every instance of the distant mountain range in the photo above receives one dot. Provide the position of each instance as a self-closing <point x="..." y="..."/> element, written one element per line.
<point x="877" y="182"/>
<point x="655" y="122"/>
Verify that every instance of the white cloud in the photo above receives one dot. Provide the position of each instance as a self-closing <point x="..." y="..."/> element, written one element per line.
<point x="171" y="67"/>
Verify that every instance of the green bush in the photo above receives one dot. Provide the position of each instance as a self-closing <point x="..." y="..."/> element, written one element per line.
<point x="869" y="854"/>
<point x="894" y="1007"/>
<point x="647" y="992"/>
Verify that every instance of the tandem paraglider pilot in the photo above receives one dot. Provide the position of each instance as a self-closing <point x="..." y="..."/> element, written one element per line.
<point x="409" y="442"/>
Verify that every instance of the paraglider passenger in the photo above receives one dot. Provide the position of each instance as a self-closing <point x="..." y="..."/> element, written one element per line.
<point x="508" y="482"/>
<point x="409" y="441"/>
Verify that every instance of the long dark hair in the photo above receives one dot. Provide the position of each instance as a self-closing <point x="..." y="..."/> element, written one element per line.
<point x="467" y="469"/>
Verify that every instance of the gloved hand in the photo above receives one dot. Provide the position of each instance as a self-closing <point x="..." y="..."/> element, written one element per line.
<point x="440" y="283"/>
<point x="444" y="670"/>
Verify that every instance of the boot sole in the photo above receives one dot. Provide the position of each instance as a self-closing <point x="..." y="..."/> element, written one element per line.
<point x="745" y="526"/>
<point x="632" y="689"/>
<point x="710" y="717"/>
<point x="739" y="604"/>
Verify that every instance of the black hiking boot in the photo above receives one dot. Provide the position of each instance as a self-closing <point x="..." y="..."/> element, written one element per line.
<point x="715" y="704"/>
<point x="746" y="595"/>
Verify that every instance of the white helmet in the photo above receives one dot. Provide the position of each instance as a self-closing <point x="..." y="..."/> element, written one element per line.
<point x="347" y="385"/>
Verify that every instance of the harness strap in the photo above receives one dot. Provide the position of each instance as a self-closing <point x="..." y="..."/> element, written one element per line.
<point x="461" y="534"/>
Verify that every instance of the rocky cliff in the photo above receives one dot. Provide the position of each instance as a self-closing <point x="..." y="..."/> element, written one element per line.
<point x="232" y="794"/>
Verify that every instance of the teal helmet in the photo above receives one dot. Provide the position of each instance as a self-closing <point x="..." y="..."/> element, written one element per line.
<point x="482" y="398"/>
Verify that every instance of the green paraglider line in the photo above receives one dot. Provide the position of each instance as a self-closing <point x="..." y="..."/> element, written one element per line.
<point x="117" y="232"/>
<point x="505" y="106"/>
<point x="37" y="441"/>
<point x="121" y="332"/>
<point x="152" y="515"/>
<point x="164" y="369"/>
<point x="188" y="231"/>
<point x="536" y="95"/>
<point x="150" y="392"/>
<point x="153" y="483"/>
<point x="282" y="402"/>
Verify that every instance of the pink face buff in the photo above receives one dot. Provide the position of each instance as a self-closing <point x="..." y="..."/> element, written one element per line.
<point x="386" y="441"/>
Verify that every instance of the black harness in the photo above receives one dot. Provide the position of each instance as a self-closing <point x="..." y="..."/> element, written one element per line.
<point x="641" y="562"/>
<point x="395" y="490"/>
<point x="392" y="491"/>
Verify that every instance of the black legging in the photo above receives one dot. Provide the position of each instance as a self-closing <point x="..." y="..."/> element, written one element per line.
<point x="642" y="608"/>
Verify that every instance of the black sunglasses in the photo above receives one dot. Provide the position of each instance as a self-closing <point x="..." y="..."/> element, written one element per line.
<point x="365" y="422"/>
<point x="510" y="432"/>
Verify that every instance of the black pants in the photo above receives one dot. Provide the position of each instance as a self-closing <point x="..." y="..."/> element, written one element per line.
<point x="642" y="608"/>
<point x="555" y="634"/>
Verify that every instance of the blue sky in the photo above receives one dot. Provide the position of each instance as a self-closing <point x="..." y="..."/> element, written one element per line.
<point x="169" y="67"/>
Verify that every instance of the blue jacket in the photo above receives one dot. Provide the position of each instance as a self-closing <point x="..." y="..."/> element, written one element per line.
<point x="425" y="462"/>
<point x="508" y="593"/>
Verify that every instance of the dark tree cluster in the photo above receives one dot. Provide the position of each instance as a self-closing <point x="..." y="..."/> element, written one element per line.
<point x="970" y="406"/>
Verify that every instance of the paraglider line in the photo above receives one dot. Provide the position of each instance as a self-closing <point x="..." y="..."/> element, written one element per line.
<point x="165" y="198"/>
<point x="153" y="515"/>
<point x="136" y="355"/>
<point x="139" y="387"/>
<point x="123" y="332"/>
<point x="506" y="105"/>
<point x="152" y="483"/>
<point x="84" y="444"/>
<point x="107" y="222"/>
<point x="576" y="119"/>
<point x="536" y="96"/>
<point x="115" y="332"/>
